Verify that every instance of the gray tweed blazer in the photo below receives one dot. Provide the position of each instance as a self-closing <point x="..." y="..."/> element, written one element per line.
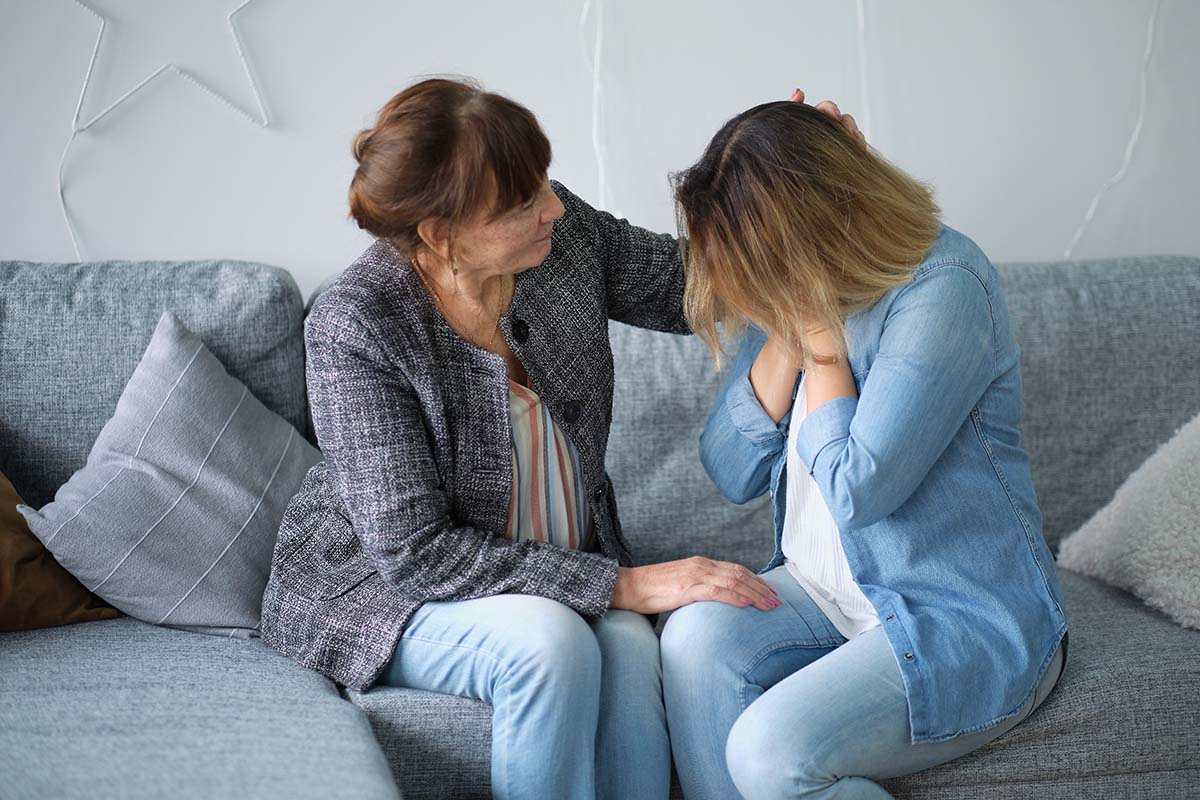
<point x="410" y="501"/>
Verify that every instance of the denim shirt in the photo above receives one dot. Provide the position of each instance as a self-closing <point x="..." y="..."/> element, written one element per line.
<point x="930" y="488"/>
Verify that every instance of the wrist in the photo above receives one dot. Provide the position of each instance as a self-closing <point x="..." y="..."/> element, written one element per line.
<point x="622" y="595"/>
<point x="815" y="362"/>
<point x="780" y="356"/>
<point x="822" y="348"/>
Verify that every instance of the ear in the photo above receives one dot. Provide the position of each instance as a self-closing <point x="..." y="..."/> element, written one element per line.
<point x="435" y="235"/>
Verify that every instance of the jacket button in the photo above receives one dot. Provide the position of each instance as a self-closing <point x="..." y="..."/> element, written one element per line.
<point x="520" y="329"/>
<point x="889" y="616"/>
<point x="908" y="656"/>
<point x="571" y="410"/>
<point x="598" y="494"/>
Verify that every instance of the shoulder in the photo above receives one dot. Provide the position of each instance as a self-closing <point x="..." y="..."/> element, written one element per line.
<point x="955" y="264"/>
<point x="949" y="296"/>
<point x="369" y="297"/>
<point x="569" y="199"/>
<point x="955" y="281"/>
<point x="579" y="218"/>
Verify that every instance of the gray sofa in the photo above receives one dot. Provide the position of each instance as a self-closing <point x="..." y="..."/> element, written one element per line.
<point x="120" y="708"/>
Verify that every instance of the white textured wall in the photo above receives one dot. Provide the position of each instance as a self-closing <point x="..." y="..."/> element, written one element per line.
<point x="1018" y="112"/>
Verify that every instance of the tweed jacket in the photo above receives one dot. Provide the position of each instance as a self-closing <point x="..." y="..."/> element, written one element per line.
<point x="410" y="500"/>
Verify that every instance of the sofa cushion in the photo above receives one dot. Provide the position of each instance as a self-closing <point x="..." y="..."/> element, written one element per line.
<point x="35" y="591"/>
<point x="1121" y="721"/>
<point x="71" y="335"/>
<point x="122" y="708"/>
<point x="438" y="745"/>
<point x="174" y="518"/>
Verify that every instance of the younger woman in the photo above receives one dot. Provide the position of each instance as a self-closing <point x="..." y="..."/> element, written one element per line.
<point x="876" y="394"/>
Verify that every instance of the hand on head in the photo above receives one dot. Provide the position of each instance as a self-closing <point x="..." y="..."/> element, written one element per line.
<point x="830" y="108"/>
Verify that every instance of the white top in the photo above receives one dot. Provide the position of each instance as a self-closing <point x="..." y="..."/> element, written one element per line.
<point x="812" y="546"/>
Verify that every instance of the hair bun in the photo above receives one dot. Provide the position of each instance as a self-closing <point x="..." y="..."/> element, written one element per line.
<point x="361" y="142"/>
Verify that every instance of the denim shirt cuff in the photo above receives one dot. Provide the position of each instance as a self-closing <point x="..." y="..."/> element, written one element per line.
<point x="826" y="426"/>
<point x="750" y="418"/>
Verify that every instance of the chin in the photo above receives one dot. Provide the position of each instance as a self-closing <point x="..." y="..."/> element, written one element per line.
<point x="543" y="253"/>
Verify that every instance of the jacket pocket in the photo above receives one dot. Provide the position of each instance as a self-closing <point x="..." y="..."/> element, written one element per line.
<point x="323" y="583"/>
<point x="327" y="563"/>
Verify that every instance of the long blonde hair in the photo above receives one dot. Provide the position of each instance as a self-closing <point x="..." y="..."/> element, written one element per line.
<point x="789" y="222"/>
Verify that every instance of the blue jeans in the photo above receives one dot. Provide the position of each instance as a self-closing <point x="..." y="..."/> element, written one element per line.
<point x="577" y="706"/>
<point x="774" y="704"/>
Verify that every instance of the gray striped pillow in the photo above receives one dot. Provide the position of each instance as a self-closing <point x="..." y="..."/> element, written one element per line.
<point x="173" y="519"/>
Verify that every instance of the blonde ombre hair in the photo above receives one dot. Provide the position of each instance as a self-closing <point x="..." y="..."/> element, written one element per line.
<point x="789" y="222"/>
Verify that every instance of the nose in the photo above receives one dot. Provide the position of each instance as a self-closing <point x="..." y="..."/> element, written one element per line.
<point x="554" y="210"/>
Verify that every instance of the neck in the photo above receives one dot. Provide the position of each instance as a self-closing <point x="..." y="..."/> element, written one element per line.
<point x="470" y="286"/>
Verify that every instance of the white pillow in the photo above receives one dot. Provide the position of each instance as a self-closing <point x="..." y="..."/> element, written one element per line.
<point x="1147" y="539"/>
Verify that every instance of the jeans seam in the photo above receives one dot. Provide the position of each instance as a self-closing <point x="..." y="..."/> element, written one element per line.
<point x="769" y="650"/>
<point x="506" y="710"/>
<point x="492" y="656"/>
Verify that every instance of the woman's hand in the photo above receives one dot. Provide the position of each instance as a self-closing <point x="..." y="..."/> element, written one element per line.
<point x="667" y="586"/>
<point x="830" y="108"/>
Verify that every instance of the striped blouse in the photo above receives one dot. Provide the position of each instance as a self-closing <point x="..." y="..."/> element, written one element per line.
<point x="547" y="501"/>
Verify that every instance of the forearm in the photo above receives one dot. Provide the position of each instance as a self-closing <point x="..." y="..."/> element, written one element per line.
<point x="740" y="440"/>
<point x="825" y="382"/>
<point x="643" y="271"/>
<point x="462" y="562"/>
<point x="773" y="376"/>
<point x="826" y="368"/>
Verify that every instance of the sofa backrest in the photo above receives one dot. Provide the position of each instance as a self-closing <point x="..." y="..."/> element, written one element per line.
<point x="72" y="334"/>
<point x="1110" y="360"/>
<point x="1110" y="357"/>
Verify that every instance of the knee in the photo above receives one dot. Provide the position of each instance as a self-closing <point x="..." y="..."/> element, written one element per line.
<point x="692" y="637"/>
<point x="748" y="759"/>
<point x="556" y="647"/>
<point x="766" y="761"/>
<point x="628" y="645"/>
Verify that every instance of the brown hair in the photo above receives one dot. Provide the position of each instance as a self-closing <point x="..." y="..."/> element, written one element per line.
<point x="437" y="149"/>
<point x="789" y="222"/>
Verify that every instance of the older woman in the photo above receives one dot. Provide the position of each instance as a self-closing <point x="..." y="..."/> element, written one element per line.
<point x="876" y="394"/>
<point x="461" y="534"/>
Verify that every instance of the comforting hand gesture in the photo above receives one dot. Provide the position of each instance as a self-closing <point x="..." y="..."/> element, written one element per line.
<point x="830" y="108"/>
<point x="667" y="586"/>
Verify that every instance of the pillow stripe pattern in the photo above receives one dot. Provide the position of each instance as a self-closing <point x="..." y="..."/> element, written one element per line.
<point x="174" y="517"/>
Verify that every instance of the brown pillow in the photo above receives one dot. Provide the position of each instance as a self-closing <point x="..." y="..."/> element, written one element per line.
<point x="35" y="591"/>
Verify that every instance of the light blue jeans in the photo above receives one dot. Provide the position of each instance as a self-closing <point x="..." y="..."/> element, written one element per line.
<point x="577" y="706"/>
<point x="774" y="704"/>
